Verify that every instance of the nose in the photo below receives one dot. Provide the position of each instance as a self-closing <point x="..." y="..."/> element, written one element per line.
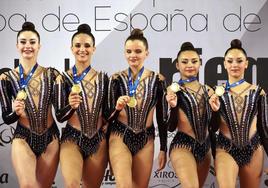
<point x="133" y="54"/>
<point x="82" y="48"/>
<point x="28" y="44"/>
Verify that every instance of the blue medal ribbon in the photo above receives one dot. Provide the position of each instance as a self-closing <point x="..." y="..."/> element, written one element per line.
<point x="78" y="79"/>
<point x="133" y="84"/>
<point x="229" y="86"/>
<point x="182" y="82"/>
<point x="24" y="82"/>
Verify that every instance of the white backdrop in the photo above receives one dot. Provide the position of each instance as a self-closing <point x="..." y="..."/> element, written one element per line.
<point x="210" y="25"/>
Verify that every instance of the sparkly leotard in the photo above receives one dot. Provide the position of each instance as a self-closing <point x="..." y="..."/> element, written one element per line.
<point x="197" y="109"/>
<point x="241" y="147"/>
<point x="90" y="136"/>
<point x="39" y="135"/>
<point x="150" y="92"/>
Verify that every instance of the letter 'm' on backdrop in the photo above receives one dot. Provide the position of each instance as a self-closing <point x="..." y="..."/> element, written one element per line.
<point x="209" y="25"/>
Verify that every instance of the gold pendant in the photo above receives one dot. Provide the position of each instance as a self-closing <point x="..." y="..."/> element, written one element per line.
<point x="76" y="88"/>
<point x="219" y="91"/>
<point x="174" y="87"/>
<point x="132" y="102"/>
<point x="21" y="95"/>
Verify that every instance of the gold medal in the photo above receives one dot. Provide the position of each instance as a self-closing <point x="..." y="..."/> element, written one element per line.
<point x="76" y="88"/>
<point x="132" y="102"/>
<point x="174" y="87"/>
<point x="219" y="91"/>
<point x="21" y="95"/>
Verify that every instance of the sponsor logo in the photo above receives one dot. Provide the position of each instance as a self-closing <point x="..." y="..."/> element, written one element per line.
<point x="4" y="178"/>
<point x="108" y="178"/>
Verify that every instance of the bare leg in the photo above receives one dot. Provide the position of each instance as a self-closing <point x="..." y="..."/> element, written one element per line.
<point x="185" y="167"/>
<point x="226" y="169"/>
<point x="94" y="167"/>
<point x="47" y="164"/>
<point x="250" y="175"/>
<point x="23" y="158"/>
<point x="142" y="165"/>
<point x="121" y="161"/>
<point x="71" y="162"/>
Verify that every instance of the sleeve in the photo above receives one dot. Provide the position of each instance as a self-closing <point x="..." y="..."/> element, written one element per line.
<point x="113" y="95"/>
<point x="63" y="110"/>
<point x="262" y="121"/>
<point x="6" y="94"/>
<point x="105" y="109"/>
<point x="172" y="117"/>
<point x="161" y="114"/>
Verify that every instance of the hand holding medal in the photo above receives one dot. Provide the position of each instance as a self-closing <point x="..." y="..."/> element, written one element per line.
<point x="76" y="88"/>
<point x="214" y="99"/>
<point x="219" y="91"/>
<point x="171" y="96"/>
<point x="174" y="87"/>
<point x="21" y="95"/>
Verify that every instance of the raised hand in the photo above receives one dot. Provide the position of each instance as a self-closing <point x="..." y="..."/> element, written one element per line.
<point x="74" y="100"/>
<point x="121" y="102"/>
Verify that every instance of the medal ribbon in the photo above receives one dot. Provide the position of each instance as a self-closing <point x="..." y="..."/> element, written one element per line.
<point x="229" y="86"/>
<point x="133" y="85"/>
<point x="182" y="82"/>
<point x="24" y="82"/>
<point x="78" y="79"/>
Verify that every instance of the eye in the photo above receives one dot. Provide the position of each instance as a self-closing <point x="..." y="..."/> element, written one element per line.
<point x="128" y="51"/>
<point x="23" y="42"/>
<point x="184" y="62"/>
<point x="230" y="61"/>
<point x="194" y="61"/>
<point x="32" y="42"/>
<point x="87" y="45"/>
<point x="240" y="61"/>
<point x="77" y="45"/>
<point x="138" y="51"/>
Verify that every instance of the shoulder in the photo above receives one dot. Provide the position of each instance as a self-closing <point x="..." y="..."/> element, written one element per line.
<point x="53" y="71"/>
<point x="158" y="75"/>
<point x="4" y="73"/>
<point x="161" y="77"/>
<point x="116" y="75"/>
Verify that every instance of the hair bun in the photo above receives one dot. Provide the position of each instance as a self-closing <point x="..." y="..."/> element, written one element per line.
<point x="187" y="46"/>
<point x="28" y="26"/>
<point x="137" y="32"/>
<point x="84" y="28"/>
<point x="236" y="43"/>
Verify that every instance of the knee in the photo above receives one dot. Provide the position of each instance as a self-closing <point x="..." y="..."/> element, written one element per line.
<point x="72" y="184"/>
<point x="126" y="184"/>
<point x="28" y="184"/>
<point x="225" y="184"/>
<point x="190" y="184"/>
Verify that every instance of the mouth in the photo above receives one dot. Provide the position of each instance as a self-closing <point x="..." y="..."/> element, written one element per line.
<point x="27" y="51"/>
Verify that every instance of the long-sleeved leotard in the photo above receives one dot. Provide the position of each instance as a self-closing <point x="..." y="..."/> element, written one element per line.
<point x="240" y="113"/>
<point x="90" y="135"/>
<point x="198" y="112"/>
<point x="150" y="93"/>
<point x="39" y="134"/>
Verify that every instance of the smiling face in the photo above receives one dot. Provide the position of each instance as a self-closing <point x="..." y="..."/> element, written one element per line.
<point x="188" y="63"/>
<point x="135" y="53"/>
<point x="28" y="45"/>
<point x="235" y="63"/>
<point x="82" y="48"/>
